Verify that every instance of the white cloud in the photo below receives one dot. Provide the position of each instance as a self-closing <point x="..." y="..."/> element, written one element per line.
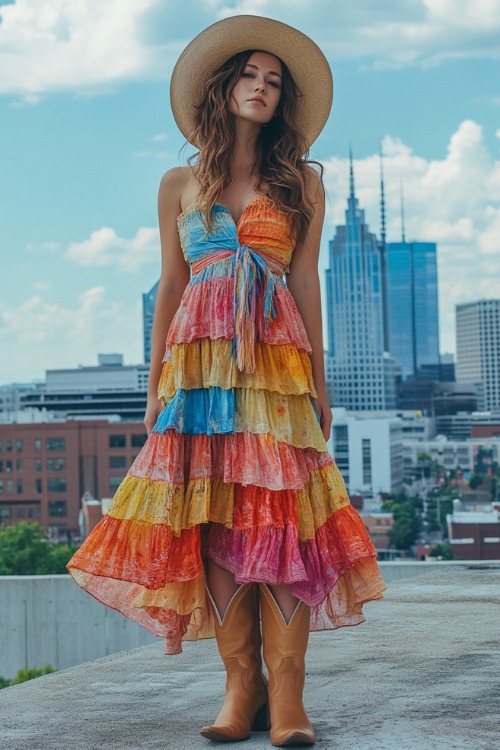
<point x="87" y="45"/>
<point x="104" y="248"/>
<point x="72" y="334"/>
<point x="454" y="201"/>
<point x="62" y="44"/>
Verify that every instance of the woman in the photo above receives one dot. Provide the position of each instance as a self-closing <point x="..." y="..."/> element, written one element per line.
<point x="234" y="510"/>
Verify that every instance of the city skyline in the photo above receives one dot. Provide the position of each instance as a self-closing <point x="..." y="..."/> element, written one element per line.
<point x="87" y="134"/>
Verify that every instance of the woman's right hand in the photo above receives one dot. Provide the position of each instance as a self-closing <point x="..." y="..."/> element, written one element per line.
<point x="153" y="408"/>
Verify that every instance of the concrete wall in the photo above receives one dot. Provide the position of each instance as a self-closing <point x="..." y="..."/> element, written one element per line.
<point x="48" y="619"/>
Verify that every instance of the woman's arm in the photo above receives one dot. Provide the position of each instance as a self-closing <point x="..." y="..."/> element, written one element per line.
<point x="303" y="283"/>
<point x="173" y="281"/>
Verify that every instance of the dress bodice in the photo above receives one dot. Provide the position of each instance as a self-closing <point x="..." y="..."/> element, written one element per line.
<point x="261" y="228"/>
<point x="255" y="251"/>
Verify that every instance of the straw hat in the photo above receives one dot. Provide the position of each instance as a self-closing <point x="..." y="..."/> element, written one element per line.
<point x="213" y="46"/>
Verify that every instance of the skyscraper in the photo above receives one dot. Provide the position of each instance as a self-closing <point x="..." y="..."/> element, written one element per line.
<point x="362" y="372"/>
<point x="413" y="305"/>
<point x="148" y="311"/>
<point x="478" y="347"/>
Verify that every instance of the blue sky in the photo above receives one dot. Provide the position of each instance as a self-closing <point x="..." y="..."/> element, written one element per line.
<point x="86" y="133"/>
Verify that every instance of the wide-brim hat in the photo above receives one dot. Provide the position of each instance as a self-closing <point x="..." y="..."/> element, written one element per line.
<point x="217" y="43"/>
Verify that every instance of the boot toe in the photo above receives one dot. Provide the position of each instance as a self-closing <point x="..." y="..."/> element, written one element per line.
<point x="293" y="737"/>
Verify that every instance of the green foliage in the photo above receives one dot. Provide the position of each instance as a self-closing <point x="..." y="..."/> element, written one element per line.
<point x="25" y="550"/>
<point x="442" y="550"/>
<point x="476" y="480"/>
<point x="404" y="531"/>
<point x="24" y="675"/>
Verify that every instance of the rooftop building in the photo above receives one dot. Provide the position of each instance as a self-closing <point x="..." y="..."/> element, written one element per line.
<point x="478" y="347"/>
<point x="45" y="469"/>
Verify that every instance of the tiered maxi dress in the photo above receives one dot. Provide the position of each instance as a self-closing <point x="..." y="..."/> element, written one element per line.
<point x="236" y="468"/>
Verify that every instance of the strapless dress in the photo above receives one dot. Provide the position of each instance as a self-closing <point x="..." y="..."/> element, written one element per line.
<point x="236" y="468"/>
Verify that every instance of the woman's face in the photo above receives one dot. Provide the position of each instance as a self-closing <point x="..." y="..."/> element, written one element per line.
<point x="257" y="94"/>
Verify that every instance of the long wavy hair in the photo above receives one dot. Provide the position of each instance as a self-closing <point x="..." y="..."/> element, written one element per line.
<point x="281" y="149"/>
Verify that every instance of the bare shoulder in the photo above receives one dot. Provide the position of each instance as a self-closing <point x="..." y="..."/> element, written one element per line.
<point x="178" y="187"/>
<point x="314" y="185"/>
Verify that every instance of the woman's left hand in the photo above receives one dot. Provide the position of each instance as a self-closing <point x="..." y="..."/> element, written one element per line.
<point x="325" y="414"/>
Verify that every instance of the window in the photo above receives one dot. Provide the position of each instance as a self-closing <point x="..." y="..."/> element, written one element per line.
<point x="8" y="466"/>
<point x="117" y="441"/>
<point x="5" y="512"/>
<point x="56" y="464"/>
<point x="38" y="444"/>
<point x="1" y="445"/>
<point x="367" y="461"/>
<point x="58" y="508"/>
<point x="56" y="444"/>
<point x="8" y="445"/>
<point x="10" y="486"/>
<point x="19" y="464"/>
<point x="1" y="467"/>
<point x="56" y="485"/>
<point x="20" y="513"/>
<point x="117" y="462"/>
<point x="1" y="486"/>
<point x="139" y="440"/>
<point x="19" y="445"/>
<point x="114" y="483"/>
<point x="38" y="486"/>
<point x="38" y="464"/>
<point x="19" y="486"/>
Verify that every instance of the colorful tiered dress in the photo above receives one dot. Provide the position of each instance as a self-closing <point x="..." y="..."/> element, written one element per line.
<point x="236" y="468"/>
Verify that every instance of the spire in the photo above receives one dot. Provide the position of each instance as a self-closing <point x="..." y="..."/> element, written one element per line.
<point x="382" y="195"/>
<point x="351" y="175"/>
<point x="402" y="211"/>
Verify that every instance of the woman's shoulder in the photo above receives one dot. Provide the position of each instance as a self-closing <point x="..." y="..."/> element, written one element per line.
<point x="175" y="185"/>
<point x="176" y="178"/>
<point x="313" y="180"/>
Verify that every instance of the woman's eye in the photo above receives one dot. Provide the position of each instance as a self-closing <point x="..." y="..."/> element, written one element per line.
<point x="275" y="84"/>
<point x="247" y="75"/>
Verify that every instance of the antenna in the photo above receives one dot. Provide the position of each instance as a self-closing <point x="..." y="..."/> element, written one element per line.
<point x="382" y="194"/>
<point x="351" y="174"/>
<point x="402" y="199"/>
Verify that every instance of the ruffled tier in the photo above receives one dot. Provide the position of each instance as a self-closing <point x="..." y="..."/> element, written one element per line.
<point x="246" y="458"/>
<point x="157" y="578"/>
<point x="206" y="310"/>
<point x="289" y="419"/>
<point x="207" y="364"/>
<point x="199" y="501"/>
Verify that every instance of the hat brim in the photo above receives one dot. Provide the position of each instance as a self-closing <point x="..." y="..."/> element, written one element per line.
<point x="217" y="43"/>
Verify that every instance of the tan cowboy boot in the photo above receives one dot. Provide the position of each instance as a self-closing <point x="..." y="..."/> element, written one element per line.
<point x="284" y="653"/>
<point x="245" y="708"/>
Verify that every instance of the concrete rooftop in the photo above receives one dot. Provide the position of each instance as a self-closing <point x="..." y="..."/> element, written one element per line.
<point x="422" y="673"/>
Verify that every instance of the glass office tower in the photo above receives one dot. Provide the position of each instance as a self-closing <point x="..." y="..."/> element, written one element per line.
<point x="361" y="372"/>
<point x="413" y="305"/>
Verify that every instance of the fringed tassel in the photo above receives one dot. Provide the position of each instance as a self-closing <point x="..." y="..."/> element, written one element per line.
<point x="250" y="270"/>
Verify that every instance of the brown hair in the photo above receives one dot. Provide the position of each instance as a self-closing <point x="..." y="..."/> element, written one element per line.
<point x="282" y="150"/>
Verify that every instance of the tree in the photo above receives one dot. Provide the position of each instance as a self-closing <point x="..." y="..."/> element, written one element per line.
<point x="24" y="675"/>
<point x="444" y="551"/>
<point x="404" y="531"/>
<point x="25" y="550"/>
<point x="476" y="480"/>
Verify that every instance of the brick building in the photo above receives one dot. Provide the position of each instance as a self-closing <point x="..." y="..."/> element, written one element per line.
<point x="474" y="534"/>
<point x="45" y="468"/>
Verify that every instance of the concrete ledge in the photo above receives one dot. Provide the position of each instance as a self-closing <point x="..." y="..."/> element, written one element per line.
<point x="420" y="674"/>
